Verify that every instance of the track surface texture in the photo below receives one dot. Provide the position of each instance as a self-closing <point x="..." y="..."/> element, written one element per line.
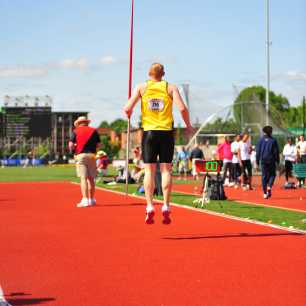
<point x="285" y="198"/>
<point x="53" y="253"/>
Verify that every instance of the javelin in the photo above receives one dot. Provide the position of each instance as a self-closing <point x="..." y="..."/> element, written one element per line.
<point x="129" y="95"/>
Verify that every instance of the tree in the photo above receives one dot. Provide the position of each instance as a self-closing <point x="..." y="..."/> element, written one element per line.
<point x="249" y="107"/>
<point x="110" y="148"/>
<point x="220" y="126"/>
<point x="104" y="124"/>
<point x="119" y="125"/>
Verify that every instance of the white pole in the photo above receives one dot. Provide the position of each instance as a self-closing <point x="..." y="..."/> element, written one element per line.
<point x="268" y="59"/>
<point x="127" y="157"/>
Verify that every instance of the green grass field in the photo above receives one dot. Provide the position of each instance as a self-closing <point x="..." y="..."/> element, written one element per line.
<point x="67" y="173"/>
<point x="272" y="215"/>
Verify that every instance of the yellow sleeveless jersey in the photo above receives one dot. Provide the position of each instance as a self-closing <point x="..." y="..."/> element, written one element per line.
<point x="156" y="107"/>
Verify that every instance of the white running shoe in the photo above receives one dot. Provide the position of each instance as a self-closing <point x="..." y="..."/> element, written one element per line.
<point x="266" y="196"/>
<point x="83" y="203"/>
<point x="92" y="202"/>
<point x="231" y="184"/>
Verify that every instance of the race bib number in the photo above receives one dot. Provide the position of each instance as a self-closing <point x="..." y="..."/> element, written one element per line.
<point x="156" y="105"/>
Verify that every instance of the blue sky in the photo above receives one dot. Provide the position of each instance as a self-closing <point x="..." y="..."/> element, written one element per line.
<point x="77" y="51"/>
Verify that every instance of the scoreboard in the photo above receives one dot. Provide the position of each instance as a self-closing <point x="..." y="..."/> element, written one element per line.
<point x="27" y="121"/>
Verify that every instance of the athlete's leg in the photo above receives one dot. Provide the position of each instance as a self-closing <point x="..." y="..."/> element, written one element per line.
<point x="166" y="170"/>
<point x="149" y="183"/>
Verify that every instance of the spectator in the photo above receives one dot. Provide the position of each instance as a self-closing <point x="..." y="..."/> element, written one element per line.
<point x="235" y="160"/>
<point x="138" y="171"/>
<point x="195" y="154"/>
<point x="301" y="155"/>
<point x="207" y="151"/>
<point x="29" y="159"/>
<point x="253" y="158"/>
<point x="225" y="150"/>
<point x="289" y="153"/>
<point x="183" y="163"/>
<point x="102" y="165"/>
<point x="302" y="149"/>
<point x="84" y="142"/>
<point x="267" y="155"/>
<point x="245" y="162"/>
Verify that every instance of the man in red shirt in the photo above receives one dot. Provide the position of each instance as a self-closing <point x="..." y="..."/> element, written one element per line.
<point x="84" y="142"/>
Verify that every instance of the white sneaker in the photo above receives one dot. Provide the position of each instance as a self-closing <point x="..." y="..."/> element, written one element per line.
<point x="266" y="196"/>
<point x="231" y="184"/>
<point x="83" y="203"/>
<point x="92" y="202"/>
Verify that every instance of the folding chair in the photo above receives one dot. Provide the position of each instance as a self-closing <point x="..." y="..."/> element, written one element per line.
<point x="207" y="168"/>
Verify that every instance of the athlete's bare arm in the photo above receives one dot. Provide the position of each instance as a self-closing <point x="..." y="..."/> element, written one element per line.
<point x="136" y="95"/>
<point x="178" y="101"/>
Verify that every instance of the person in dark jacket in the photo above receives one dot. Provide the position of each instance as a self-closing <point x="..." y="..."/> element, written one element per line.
<point x="195" y="154"/>
<point x="267" y="155"/>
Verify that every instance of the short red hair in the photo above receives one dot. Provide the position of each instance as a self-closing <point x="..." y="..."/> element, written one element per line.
<point x="157" y="70"/>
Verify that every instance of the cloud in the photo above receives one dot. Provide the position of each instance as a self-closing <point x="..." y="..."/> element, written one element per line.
<point x="23" y="71"/>
<point x="107" y="60"/>
<point x="296" y="75"/>
<point x="81" y="63"/>
<point x="293" y="75"/>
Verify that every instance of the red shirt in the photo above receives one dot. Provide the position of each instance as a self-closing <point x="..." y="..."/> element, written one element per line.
<point x="86" y="139"/>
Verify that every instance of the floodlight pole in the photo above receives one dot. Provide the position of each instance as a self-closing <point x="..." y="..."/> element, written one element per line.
<point x="268" y="43"/>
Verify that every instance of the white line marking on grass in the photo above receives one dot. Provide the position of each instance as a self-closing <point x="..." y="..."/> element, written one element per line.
<point x="249" y="203"/>
<point x="209" y="212"/>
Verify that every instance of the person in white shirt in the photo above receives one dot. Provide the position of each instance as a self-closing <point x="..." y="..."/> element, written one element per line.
<point x="245" y="161"/>
<point x="301" y="155"/>
<point x="235" y="160"/>
<point x="302" y="149"/>
<point x="289" y="153"/>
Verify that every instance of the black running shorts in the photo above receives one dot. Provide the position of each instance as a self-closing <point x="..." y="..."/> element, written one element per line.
<point x="157" y="144"/>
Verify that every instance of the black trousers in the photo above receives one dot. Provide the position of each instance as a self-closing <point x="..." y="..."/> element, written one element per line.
<point x="288" y="169"/>
<point x="228" y="167"/>
<point x="268" y="174"/>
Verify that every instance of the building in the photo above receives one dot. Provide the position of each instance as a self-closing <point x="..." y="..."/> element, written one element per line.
<point x="28" y="122"/>
<point x="62" y="127"/>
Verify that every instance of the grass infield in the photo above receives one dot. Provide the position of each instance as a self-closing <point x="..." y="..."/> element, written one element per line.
<point x="67" y="173"/>
<point x="265" y="214"/>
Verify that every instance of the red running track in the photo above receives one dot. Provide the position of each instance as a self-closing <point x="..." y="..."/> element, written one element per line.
<point x="53" y="253"/>
<point x="286" y="198"/>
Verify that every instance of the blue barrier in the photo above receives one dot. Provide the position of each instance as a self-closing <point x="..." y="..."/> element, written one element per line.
<point x="20" y="162"/>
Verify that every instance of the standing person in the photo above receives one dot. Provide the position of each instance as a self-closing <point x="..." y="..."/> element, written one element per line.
<point x="196" y="153"/>
<point x="245" y="161"/>
<point x="225" y="150"/>
<point x="182" y="163"/>
<point x="302" y="148"/>
<point x="301" y="155"/>
<point x="267" y="155"/>
<point x="84" y="142"/>
<point x="253" y="158"/>
<point x="235" y="160"/>
<point x="157" y="97"/>
<point x="289" y="153"/>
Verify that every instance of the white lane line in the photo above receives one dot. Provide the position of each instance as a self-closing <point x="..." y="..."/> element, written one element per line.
<point x="3" y="301"/>
<point x="209" y="212"/>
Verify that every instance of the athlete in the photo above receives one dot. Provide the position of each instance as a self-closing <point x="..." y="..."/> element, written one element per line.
<point x="157" y="97"/>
